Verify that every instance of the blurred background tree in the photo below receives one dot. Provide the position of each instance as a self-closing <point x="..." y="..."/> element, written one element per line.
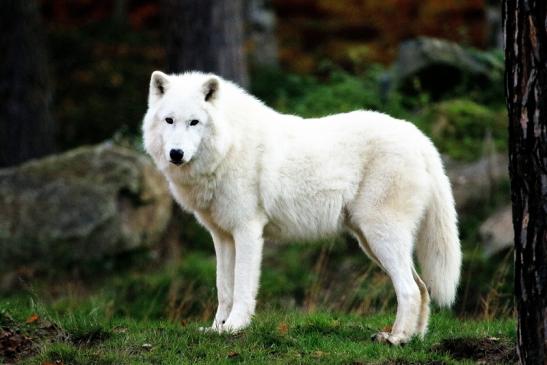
<point x="206" y="35"/>
<point x="25" y="90"/>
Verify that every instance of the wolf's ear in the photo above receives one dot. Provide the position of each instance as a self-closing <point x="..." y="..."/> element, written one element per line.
<point x="158" y="85"/>
<point x="210" y="89"/>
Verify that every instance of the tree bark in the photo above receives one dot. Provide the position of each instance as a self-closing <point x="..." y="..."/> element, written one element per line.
<point x="26" y="128"/>
<point x="206" y="35"/>
<point x="526" y="93"/>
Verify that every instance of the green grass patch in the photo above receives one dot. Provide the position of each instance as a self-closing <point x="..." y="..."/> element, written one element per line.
<point x="274" y="337"/>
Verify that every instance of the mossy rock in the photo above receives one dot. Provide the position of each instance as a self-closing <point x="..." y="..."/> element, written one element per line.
<point x="88" y="203"/>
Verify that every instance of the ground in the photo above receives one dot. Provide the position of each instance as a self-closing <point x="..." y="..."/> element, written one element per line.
<point x="318" y="303"/>
<point x="34" y="336"/>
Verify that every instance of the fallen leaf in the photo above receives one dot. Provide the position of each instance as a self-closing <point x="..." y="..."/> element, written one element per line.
<point x="33" y="318"/>
<point x="233" y="354"/>
<point x="283" y="328"/>
<point x="318" y="354"/>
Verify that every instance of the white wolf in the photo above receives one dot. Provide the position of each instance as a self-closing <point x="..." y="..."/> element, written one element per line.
<point x="248" y="173"/>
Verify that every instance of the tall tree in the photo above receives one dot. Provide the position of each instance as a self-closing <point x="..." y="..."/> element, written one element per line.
<point x="206" y="35"/>
<point x="526" y="92"/>
<point x="26" y="128"/>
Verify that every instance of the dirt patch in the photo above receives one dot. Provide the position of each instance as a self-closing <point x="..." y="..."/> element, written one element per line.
<point x="490" y="350"/>
<point x="19" y="340"/>
<point x="14" y="345"/>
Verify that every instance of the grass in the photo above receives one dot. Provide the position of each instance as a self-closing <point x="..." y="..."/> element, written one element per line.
<point x="89" y="337"/>
<point x="152" y="316"/>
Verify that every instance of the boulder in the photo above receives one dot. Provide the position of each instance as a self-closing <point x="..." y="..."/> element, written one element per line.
<point x="85" y="204"/>
<point x="441" y="65"/>
<point x="475" y="181"/>
<point x="497" y="231"/>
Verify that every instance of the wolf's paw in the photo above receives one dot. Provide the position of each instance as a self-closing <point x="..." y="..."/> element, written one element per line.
<point x="385" y="337"/>
<point x="215" y="328"/>
<point x="218" y="325"/>
<point x="233" y="325"/>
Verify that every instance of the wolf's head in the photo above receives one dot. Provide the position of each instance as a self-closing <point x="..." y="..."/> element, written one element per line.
<point x="183" y="126"/>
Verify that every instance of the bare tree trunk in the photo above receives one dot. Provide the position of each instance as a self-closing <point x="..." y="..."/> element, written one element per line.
<point x="206" y="35"/>
<point x="119" y="12"/>
<point x="26" y="128"/>
<point x="526" y="92"/>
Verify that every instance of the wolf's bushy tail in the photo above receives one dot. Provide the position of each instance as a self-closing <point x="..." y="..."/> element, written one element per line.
<point x="438" y="245"/>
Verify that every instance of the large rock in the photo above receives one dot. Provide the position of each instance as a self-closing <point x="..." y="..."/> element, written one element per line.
<point x="475" y="181"/>
<point x="441" y="65"/>
<point x="497" y="231"/>
<point x="87" y="203"/>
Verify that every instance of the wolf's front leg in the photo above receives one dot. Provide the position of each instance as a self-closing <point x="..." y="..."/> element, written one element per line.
<point x="225" y="253"/>
<point x="248" y="256"/>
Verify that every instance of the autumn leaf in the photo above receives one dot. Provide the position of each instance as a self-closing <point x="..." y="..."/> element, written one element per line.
<point x="32" y="318"/>
<point x="233" y="354"/>
<point x="318" y="354"/>
<point x="283" y="328"/>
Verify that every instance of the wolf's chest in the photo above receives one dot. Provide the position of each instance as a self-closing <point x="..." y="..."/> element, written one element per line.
<point x="193" y="197"/>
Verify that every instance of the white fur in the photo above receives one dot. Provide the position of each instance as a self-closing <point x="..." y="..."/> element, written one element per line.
<point x="252" y="173"/>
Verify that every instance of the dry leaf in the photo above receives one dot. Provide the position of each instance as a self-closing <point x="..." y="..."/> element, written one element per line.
<point x="318" y="354"/>
<point x="283" y="328"/>
<point x="33" y="318"/>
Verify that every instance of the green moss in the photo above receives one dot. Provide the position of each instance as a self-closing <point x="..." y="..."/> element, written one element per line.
<point x="465" y="130"/>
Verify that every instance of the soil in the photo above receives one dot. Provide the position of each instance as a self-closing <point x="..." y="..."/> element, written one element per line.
<point x="489" y="350"/>
<point x="19" y="340"/>
<point x="14" y="344"/>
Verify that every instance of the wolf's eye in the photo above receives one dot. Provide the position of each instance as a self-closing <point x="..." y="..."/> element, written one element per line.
<point x="169" y="120"/>
<point x="194" y="122"/>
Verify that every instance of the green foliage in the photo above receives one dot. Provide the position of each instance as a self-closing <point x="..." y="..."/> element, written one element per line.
<point x="337" y="92"/>
<point x="459" y="127"/>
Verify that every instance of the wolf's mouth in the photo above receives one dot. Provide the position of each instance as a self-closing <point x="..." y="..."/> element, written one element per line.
<point x="178" y="163"/>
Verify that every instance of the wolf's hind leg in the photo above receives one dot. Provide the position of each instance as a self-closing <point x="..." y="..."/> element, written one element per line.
<point x="423" y="318"/>
<point x="391" y="246"/>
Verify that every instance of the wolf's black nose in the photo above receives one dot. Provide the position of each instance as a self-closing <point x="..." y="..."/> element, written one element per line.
<point x="176" y="156"/>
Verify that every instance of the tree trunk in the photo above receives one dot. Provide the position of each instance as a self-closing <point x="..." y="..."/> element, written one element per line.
<point x="526" y="92"/>
<point x="119" y="12"/>
<point x="26" y="129"/>
<point x="206" y="35"/>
